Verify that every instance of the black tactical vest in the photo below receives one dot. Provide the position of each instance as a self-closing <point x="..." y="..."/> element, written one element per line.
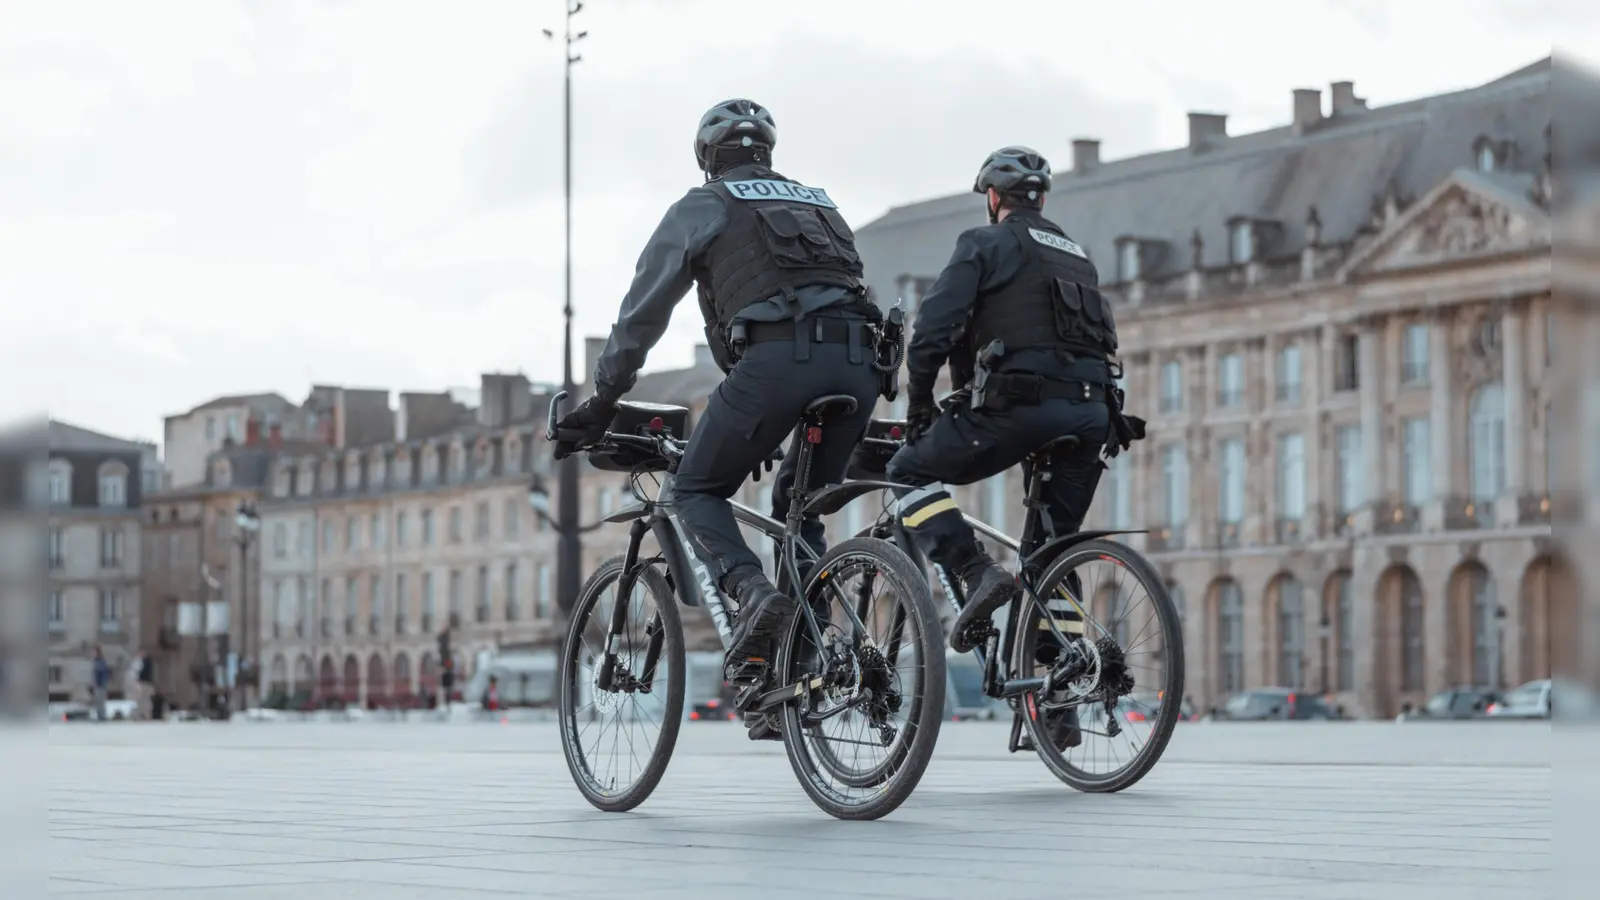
<point x="781" y="236"/>
<point x="1054" y="300"/>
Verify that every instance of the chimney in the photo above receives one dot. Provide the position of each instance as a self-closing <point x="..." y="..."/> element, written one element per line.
<point x="592" y="348"/>
<point x="1345" y="99"/>
<point x="1307" y="109"/>
<point x="1203" y="127"/>
<point x="703" y="358"/>
<point x="1085" y="155"/>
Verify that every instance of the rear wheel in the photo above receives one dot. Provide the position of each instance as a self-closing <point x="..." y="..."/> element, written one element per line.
<point x="861" y="735"/>
<point x="618" y="740"/>
<point x="1131" y="624"/>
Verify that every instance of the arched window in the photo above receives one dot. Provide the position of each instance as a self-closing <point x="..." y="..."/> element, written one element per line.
<point x="1412" y="673"/>
<point x="1291" y="632"/>
<point x="1486" y="446"/>
<point x="1342" y="619"/>
<point x="1230" y="637"/>
<point x="1485" y="629"/>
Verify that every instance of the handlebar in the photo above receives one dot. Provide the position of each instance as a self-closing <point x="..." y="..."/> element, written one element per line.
<point x="663" y="444"/>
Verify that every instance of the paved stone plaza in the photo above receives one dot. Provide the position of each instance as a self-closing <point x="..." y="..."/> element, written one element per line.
<point x="303" y="811"/>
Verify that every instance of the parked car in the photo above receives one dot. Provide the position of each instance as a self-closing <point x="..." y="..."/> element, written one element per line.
<point x="1458" y="703"/>
<point x="1530" y="701"/>
<point x="1266" y="704"/>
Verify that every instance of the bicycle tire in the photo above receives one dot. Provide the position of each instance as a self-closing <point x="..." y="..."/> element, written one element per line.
<point x="928" y="704"/>
<point x="672" y="656"/>
<point x="1171" y="636"/>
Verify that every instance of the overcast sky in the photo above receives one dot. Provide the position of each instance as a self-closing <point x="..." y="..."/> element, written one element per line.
<point x="219" y="197"/>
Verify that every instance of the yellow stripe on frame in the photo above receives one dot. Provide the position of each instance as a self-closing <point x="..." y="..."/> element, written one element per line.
<point x="928" y="512"/>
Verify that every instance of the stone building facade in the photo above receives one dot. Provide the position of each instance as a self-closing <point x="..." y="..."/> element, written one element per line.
<point x="1344" y="333"/>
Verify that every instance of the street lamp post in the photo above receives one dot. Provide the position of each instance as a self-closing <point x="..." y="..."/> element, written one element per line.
<point x="539" y="500"/>
<point x="248" y="522"/>
<point x="569" y="554"/>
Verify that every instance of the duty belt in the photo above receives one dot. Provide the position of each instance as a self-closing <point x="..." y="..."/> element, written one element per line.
<point x="819" y="331"/>
<point x="1031" y="390"/>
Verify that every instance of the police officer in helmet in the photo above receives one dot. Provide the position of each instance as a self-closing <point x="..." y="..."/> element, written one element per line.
<point x="787" y="319"/>
<point x="1023" y="299"/>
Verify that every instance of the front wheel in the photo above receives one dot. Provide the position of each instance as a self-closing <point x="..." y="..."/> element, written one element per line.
<point x="618" y="732"/>
<point x="871" y="701"/>
<point x="1131" y="629"/>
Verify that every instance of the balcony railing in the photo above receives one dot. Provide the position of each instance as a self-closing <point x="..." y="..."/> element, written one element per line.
<point x="1289" y="529"/>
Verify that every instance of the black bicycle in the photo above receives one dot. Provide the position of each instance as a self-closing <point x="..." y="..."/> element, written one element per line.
<point x="1062" y="685"/>
<point x="864" y="656"/>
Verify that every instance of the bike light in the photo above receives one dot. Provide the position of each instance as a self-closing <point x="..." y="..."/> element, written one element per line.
<point x="895" y="432"/>
<point x="656" y="424"/>
<point x="694" y="716"/>
<point x="1135" y="716"/>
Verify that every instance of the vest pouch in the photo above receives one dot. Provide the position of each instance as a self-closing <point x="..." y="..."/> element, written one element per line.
<point x="1069" y="309"/>
<point x="797" y="238"/>
<point x="844" y="242"/>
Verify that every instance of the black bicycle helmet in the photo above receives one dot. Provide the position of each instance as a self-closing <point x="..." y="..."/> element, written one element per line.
<point x="1015" y="170"/>
<point x="733" y="125"/>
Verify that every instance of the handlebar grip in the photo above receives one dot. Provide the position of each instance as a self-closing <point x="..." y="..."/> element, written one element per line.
<point x="568" y="435"/>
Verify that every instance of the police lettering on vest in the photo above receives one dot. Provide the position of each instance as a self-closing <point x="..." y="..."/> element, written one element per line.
<point x="1058" y="242"/>
<point x="770" y="189"/>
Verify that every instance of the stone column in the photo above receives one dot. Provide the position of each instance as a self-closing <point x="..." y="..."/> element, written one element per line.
<point x="1513" y="339"/>
<point x="1313" y="345"/>
<point x="1370" y="386"/>
<point x="1195" y="389"/>
<point x="1441" y="423"/>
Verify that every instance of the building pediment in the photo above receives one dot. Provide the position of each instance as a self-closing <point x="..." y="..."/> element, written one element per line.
<point x="1468" y="215"/>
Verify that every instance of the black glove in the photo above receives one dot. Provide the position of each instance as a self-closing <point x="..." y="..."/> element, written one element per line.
<point x="584" y="426"/>
<point x="920" y="413"/>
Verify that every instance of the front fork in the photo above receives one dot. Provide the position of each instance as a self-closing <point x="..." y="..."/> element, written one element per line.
<point x="608" y="678"/>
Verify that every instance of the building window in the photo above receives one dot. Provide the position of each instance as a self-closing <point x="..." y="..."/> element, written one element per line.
<point x="402" y="601"/>
<point x="455" y="524"/>
<point x="1486" y="446"/>
<point x="1411" y="633"/>
<point x="327" y="537"/>
<point x="400" y="528"/>
<point x="302" y="607"/>
<point x="57" y="548"/>
<point x="1171" y="386"/>
<point x="58" y="613"/>
<point x="280" y="609"/>
<point x="352" y="534"/>
<point x="513" y="517"/>
<point x="110" y="548"/>
<point x="302" y="540"/>
<point x="233" y="426"/>
<point x="60" y="483"/>
<point x="211" y="428"/>
<point x="114" y="488"/>
<point x="513" y="605"/>
<point x="110" y="609"/>
<point x="1231" y="506"/>
<point x="542" y="598"/>
<point x="1121" y="499"/>
<point x="456" y="598"/>
<point x="1128" y="261"/>
<point x="1230" y="381"/>
<point x="1291" y="633"/>
<point x="1241" y="243"/>
<point x="326" y="604"/>
<point x="430" y="465"/>
<point x="428" y="607"/>
<point x="1417" y="448"/>
<point x="1292" y="477"/>
<point x="375" y="528"/>
<point x="1289" y="374"/>
<point x="1486" y="157"/>
<point x="483" y="594"/>
<point x="352" y="605"/>
<point x="1485" y="630"/>
<point x="1351" y="477"/>
<point x="378" y="611"/>
<point x="1175" y="485"/>
<point x="427" y="528"/>
<point x="1230" y="638"/>
<point x="1345" y="622"/>
<point x="482" y="529"/>
<point x="1347" y="364"/>
<point x="1414" y="355"/>
<point x="280" y="540"/>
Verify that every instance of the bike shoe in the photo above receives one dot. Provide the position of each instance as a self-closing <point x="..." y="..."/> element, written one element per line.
<point x="761" y="727"/>
<point x="1063" y="728"/>
<point x="988" y="587"/>
<point x="763" y="613"/>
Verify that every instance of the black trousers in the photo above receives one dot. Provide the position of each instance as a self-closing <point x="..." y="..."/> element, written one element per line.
<point x="964" y="446"/>
<point x="747" y="417"/>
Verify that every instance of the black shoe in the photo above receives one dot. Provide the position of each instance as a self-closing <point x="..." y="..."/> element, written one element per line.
<point x="761" y="727"/>
<point x="1063" y="728"/>
<point x="988" y="587"/>
<point x="763" y="613"/>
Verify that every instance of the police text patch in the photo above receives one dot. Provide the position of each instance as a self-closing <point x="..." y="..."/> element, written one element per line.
<point x="767" y="189"/>
<point x="1057" y="242"/>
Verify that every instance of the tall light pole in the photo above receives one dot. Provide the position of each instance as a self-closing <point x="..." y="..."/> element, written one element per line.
<point x="569" y="552"/>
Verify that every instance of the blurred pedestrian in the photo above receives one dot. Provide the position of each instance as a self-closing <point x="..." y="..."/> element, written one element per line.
<point x="101" y="683"/>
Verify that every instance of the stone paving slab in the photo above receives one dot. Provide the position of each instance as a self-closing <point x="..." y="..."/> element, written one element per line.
<point x="305" y="811"/>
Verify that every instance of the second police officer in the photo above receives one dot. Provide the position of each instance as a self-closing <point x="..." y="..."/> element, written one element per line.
<point x="787" y="319"/>
<point x="1021" y="299"/>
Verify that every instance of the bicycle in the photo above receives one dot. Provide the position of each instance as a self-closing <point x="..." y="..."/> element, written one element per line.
<point x="1094" y="677"/>
<point x="823" y="673"/>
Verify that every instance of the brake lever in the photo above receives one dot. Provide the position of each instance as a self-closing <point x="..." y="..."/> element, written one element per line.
<point x="552" y="414"/>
